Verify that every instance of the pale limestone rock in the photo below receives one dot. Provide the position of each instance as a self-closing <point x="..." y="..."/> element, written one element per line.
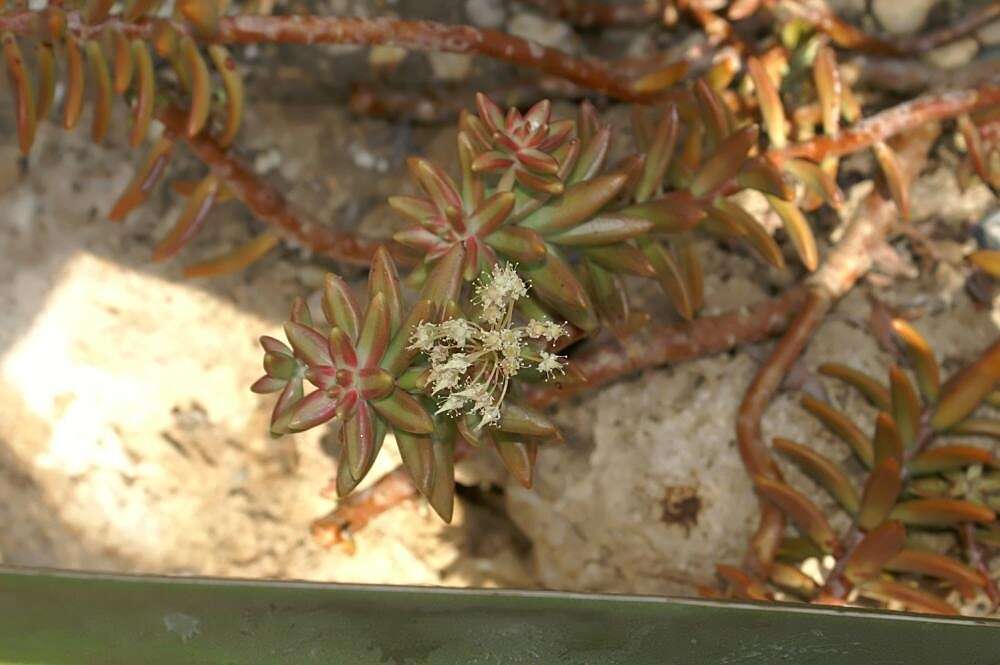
<point x="450" y="66"/>
<point x="544" y="31"/>
<point x="899" y="17"/>
<point x="486" y="13"/>
<point x="956" y="54"/>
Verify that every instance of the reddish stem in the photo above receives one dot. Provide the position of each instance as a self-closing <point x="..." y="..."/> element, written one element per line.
<point x="851" y="37"/>
<point x="651" y="346"/>
<point x="844" y="265"/>
<point x="268" y="205"/>
<point x="355" y="511"/>
<point x="892" y="121"/>
<point x="413" y="35"/>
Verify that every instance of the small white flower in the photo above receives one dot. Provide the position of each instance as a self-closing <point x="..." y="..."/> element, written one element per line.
<point x="547" y="330"/>
<point x="423" y="337"/>
<point x="458" y="330"/>
<point x="550" y="363"/>
<point x="472" y="362"/>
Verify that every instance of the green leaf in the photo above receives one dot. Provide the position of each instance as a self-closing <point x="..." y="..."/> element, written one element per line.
<point x="442" y="491"/>
<point x="359" y="438"/>
<point x="578" y="203"/>
<point x="671" y="277"/>
<point x="339" y="306"/>
<point x="308" y="344"/>
<point x="518" y="243"/>
<point x="725" y="162"/>
<point x="443" y="283"/>
<point x="384" y="279"/>
<point x="555" y="284"/>
<point x="603" y="230"/>
<point x="658" y="155"/>
<point x="621" y="258"/>
<point x="374" y="336"/>
<point x="674" y="212"/>
<point x="398" y="356"/>
<point x="518" y="455"/>
<point x="489" y="216"/>
<point x="520" y="419"/>
<point x="417" y="453"/>
<point x="404" y="412"/>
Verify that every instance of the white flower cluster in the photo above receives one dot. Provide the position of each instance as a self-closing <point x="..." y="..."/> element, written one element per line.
<point x="472" y="363"/>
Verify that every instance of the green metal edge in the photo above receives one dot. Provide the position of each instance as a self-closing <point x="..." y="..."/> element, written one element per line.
<point x="53" y="617"/>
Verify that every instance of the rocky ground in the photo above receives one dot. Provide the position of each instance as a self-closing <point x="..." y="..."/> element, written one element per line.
<point x="130" y="442"/>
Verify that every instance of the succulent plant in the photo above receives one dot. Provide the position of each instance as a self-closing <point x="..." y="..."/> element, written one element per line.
<point x="422" y="374"/>
<point x="537" y="192"/>
<point x="913" y="482"/>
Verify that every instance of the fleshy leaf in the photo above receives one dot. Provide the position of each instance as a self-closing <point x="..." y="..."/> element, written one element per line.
<point x="965" y="578"/>
<point x="941" y="512"/>
<point x="605" y="229"/>
<point x="898" y="185"/>
<point x="404" y="412"/>
<point x="670" y="276"/>
<point x="373" y="339"/>
<point x="823" y="470"/>
<point x="922" y="357"/>
<point x="621" y="258"/>
<point x="674" y="212"/>
<point x="312" y="410"/>
<point x="308" y="343"/>
<point x="384" y="279"/>
<point x="946" y="458"/>
<point x="964" y="391"/>
<point x="555" y="284"/>
<point x="842" y="426"/>
<point x="771" y="108"/>
<point x="339" y="306"/>
<point x="881" y="491"/>
<point x="577" y="204"/>
<point x="725" y="162"/>
<point x="658" y="155"/>
<point x="398" y="355"/>
<point x="518" y="456"/>
<point x="802" y="511"/>
<point x="887" y="441"/>
<point x="359" y="439"/>
<point x="905" y="406"/>
<point x="868" y="386"/>
<point x="878" y="546"/>
<point x="519" y="419"/>
<point x="443" y="284"/>
<point x="912" y="598"/>
<point x="798" y="230"/>
<point x="417" y="453"/>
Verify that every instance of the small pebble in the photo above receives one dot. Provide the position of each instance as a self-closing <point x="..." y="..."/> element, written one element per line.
<point x="902" y="17"/>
